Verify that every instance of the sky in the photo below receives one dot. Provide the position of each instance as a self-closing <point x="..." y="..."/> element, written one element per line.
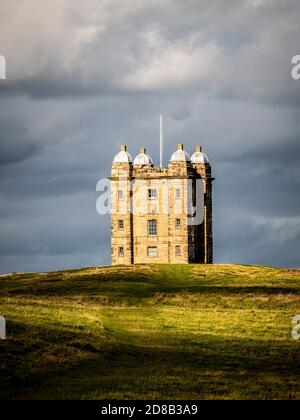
<point x="84" y="77"/>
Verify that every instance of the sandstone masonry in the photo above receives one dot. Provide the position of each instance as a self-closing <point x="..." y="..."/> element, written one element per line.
<point x="161" y="215"/>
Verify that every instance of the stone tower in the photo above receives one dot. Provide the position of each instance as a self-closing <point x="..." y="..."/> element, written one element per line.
<point x="161" y="214"/>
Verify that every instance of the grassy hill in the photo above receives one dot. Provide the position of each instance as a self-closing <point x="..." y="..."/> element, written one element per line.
<point x="159" y="331"/>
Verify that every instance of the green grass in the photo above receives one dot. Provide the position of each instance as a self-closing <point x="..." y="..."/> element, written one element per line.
<point x="151" y="332"/>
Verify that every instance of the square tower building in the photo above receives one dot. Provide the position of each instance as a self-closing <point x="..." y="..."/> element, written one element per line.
<point x="161" y="214"/>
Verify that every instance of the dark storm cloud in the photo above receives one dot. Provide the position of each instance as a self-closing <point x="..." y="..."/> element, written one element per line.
<point x="16" y="144"/>
<point x="43" y="229"/>
<point x="12" y="152"/>
<point x="94" y="75"/>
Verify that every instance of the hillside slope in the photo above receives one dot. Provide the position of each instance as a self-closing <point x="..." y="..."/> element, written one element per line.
<point x="161" y="331"/>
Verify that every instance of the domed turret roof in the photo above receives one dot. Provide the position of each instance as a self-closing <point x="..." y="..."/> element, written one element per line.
<point x="199" y="156"/>
<point x="143" y="158"/>
<point x="180" y="155"/>
<point x="123" y="156"/>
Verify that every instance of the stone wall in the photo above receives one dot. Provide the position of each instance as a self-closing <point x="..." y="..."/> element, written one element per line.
<point x="175" y="242"/>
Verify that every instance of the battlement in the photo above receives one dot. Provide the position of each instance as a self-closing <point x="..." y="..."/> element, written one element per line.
<point x="161" y="214"/>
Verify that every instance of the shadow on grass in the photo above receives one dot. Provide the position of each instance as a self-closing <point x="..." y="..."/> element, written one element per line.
<point x="84" y="351"/>
<point x="48" y="364"/>
<point x="137" y="291"/>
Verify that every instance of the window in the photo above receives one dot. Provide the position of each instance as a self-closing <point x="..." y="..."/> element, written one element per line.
<point x="152" y="194"/>
<point x="121" y="224"/>
<point x="152" y="227"/>
<point x="121" y="251"/>
<point x="178" y="223"/>
<point x="121" y="195"/>
<point x="152" y="251"/>
<point x="178" y="250"/>
<point x="177" y="193"/>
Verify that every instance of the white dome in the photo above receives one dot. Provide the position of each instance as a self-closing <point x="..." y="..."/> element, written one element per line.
<point x="123" y="156"/>
<point x="180" y="155"/>
<point x="199" y="157"/>
<point x="143" y="159"/>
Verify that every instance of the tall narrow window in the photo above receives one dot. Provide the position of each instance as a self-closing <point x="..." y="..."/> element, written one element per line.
<point x="152" y="251"/>
<point x="121" y="251"/>
<point x="121" y="195"/>
<point x="152" y="194"/>
<point x="178" y="250"/>
<point x="177" y="193"/>
<point x="121" y="224"/>
<point x="178" y="223"/>
<point x="152" y="227"/>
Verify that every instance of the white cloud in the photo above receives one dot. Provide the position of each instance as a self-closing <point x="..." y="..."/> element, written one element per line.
<point x="167" y="64"/>
<point x="237" y="48"/>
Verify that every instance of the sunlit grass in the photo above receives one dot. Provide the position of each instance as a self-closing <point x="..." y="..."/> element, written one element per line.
<point x="161" y="331"/>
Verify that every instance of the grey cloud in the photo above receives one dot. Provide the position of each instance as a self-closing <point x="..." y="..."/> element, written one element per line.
<point x="226" y="48"/>
<point x="16" y="144"/>
<point x="8" y="155"/>
<point x="45" y="228"/>
<point x="102" y="77"/>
